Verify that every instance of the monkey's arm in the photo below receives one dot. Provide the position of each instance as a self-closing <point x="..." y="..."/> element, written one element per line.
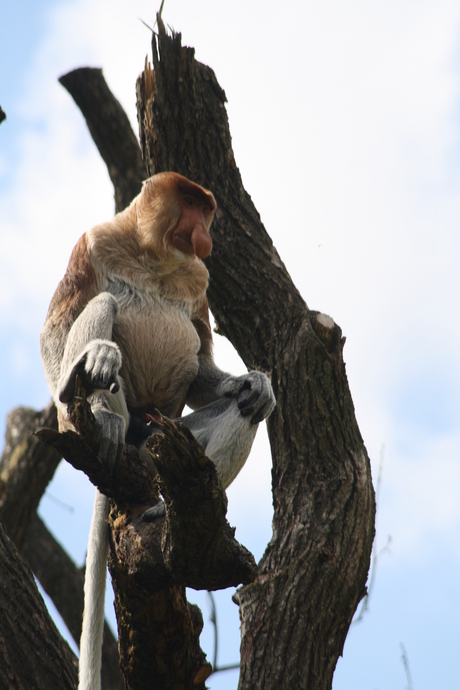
<point x="252" y="391"/>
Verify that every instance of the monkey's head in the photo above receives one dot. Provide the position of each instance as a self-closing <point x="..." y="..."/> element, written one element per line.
<point x="174" y="216"/>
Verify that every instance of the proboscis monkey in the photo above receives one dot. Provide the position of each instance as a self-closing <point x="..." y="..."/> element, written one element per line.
<point x="131" y="318"/>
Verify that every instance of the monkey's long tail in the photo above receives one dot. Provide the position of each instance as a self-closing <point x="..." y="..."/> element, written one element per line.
<point x="93" y="614"/>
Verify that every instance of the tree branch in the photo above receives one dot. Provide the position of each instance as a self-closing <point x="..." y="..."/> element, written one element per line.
<point x="32" y="653"/>
<point x="26" y="468"/>
<point x="199" y="546"/>
<point x="110" y="130"/>
<point x="196" y="547"/>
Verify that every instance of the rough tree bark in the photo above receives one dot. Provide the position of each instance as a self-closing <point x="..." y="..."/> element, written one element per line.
<point x="297" y="606"/>
<point x="32" y="652"/>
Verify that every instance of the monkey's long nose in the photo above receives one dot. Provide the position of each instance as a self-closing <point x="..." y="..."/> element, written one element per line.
<point x="201" y="241"/>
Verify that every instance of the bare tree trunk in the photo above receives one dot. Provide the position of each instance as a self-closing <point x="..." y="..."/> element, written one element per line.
<point x="296" y="615"/>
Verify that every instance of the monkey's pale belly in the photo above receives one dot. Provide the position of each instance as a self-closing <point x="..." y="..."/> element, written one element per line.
<point x="164" y="349"/>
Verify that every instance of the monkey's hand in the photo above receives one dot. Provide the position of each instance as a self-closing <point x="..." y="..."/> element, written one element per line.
<point x="97" y="364"/>
<point x="253" y="393"/>
<point x="109" y="431"/>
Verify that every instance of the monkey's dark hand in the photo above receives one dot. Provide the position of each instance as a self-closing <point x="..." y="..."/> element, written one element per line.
<point x="98" y="365"/>
<point x="253" y="393"/>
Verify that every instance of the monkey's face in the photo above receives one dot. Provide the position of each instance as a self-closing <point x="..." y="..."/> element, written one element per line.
<point x="174" y="217"/>
<point x="191" y="234"/>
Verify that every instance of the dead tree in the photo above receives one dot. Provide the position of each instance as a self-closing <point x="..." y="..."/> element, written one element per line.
<point x="297" y="604"/>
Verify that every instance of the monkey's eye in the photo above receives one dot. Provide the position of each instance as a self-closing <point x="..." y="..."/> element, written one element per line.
<point x="188" y="200"/>
<point x="205" y="210"/>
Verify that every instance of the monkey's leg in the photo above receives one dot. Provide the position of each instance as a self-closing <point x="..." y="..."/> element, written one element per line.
<point x="90" y="353"/>
<point x="89" y="350"/>
<point x="225" y="435"/>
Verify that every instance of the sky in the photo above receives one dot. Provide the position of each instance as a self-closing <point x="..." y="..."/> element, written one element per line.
<point x="345" y="122"/>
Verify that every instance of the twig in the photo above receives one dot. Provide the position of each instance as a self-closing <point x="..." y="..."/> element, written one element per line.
<point x="213" y="619"/>
<point x="405" y="660"/>
<point x="375" y="554"/>
<point x="62" y="504"/>
<point x="156" y="20"/>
